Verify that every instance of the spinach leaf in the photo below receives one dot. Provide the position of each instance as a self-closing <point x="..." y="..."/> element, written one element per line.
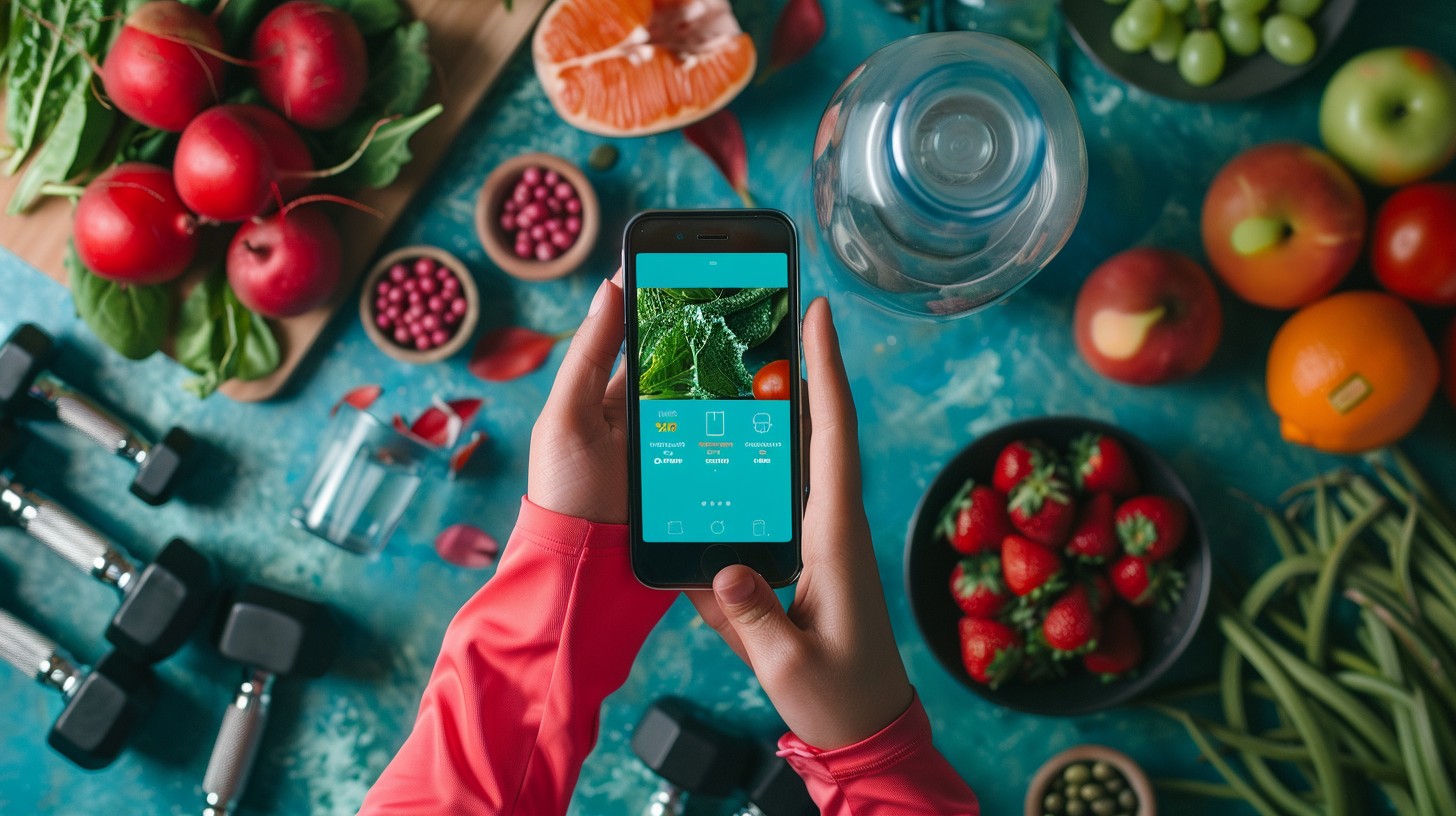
<point x="387" y="153"/>
<point x="691" y="341"/>
<point x="131" y="319"/>
<point x="259" y="355"/>
<point x="45" y="68"/>
<point x="78" y="136"/>
<point x="219" y="339"/>
<point x="399" y="72"/>
<point x="146" y="144"/>
<point x="372" y="16"/>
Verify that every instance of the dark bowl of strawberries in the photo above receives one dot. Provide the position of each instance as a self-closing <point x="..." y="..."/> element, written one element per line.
<point x="1058" y="566"/>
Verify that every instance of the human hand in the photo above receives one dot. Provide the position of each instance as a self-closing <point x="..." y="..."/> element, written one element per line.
<point x="829" y="664"/>
<point x="578" y="464"/>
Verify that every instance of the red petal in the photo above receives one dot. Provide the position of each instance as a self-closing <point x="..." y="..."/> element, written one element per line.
<point x="721" y="137"/>
<point x="510" y="352"/>
<point x="467" y="546"/>
<point x="404" y="430"/>
<point x="361" y="398"/>
<point x="462" y="454"/>
<point x="466" y="409"/>
<point x="442" y="423"/>
<point x="801" y="26"/>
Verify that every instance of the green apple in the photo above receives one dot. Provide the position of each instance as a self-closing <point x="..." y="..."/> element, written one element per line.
<point x="1390" y="114"/>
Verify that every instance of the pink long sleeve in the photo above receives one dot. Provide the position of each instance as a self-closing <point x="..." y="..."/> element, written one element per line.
<point x="511" y="710"/>
<point x="896" y="772"/>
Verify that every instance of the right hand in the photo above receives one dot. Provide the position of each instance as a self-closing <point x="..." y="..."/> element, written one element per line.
<point x="829" y="663"/>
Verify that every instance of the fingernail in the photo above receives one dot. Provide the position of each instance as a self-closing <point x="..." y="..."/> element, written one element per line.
<point x="735" y="590"/>
<point x="601" y="297"/>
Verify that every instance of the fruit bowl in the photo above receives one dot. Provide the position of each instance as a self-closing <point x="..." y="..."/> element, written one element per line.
<point x="1133" y="778"/>
<point x="1090" y="22"/>
<point x="490" y="205"/>
<point x="457" y="333"/>
<point x="929" y="560"/>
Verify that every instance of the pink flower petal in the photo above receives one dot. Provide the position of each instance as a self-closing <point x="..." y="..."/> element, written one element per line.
<point x="721" y="138"/>
<point x="511" y="352"/>
<point x="467" y="546"/>
<point x="361" y="398"/>
<point x="462" y="454"/>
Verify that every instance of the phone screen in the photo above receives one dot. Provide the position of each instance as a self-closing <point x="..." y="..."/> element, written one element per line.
<point x="716" y="364"/>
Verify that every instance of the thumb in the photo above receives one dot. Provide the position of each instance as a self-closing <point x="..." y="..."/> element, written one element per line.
<point x="754" y="612"/>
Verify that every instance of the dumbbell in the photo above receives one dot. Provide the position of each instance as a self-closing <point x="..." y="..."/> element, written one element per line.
<point x="28" y="390"/>
<point x="777" y="790"/>
<point x="272" y="634"/>
<point x="102" y="705"/>
<point x="690" y="755"/>
<point x="161" y="604"/>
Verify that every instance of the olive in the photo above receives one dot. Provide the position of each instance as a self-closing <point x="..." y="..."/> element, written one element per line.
<point x="1114" y="784"/>
<point x="1054" y="802"/>
<point x="1076" y="774"/>
<point x="1076" y="807"/>
<point x="1104" y="807"/>
<point x="1090" y="792"/>
<point x="1127" y="800"/>
<point x="1102" y="772"/>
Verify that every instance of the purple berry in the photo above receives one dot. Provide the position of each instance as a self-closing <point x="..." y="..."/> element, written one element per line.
<point x="545" y="252"/>
<point x="563" y="191"/>
<point x="508" y="222"/>
<point x="395" y="295"/>
<point x="435" y="304"/>
<point x="532" y="175"/>
<point x="422" y="342"/>
<point x="551" y="177"/>
<point x="401" y="335"/>
<point x="459" y="306"/>
<point x="429" y="285"/>
<point x="393" y="311"/>
<point x="573" y="225"/>
<point x="521" y="194"/>
<point x="424" y="267"/>
<point x="431" y="322"/>
<point x="538" y="232"/>
<point x="573" y="206"/>
<point x="561" y="240"/>
<point x="439" y="337"/>
<point x="540" y="193"/>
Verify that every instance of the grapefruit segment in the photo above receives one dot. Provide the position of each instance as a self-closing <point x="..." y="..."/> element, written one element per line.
<point x="636" y="67"/>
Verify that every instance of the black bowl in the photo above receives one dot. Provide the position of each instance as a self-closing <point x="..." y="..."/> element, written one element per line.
<point x="1090" y="22"/>
<point x="929" y="561"/>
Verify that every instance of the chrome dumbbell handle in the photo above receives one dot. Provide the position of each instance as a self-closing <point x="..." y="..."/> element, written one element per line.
<point x="78" y="411"/>
<point x="748" y="810"/>
<point x="35" y="655"/>
<point x="67" y="536"/>
<point x="667" y="800"/>
<point x="237" y="745"/>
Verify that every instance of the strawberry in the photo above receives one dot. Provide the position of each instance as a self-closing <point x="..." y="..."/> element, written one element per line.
<point x="1151" y="526"/>
<point x="1029" y="568"/>
<point x="1119" y="648"/>
<point x="1071" y="627"/>
<point x="1094" y="537"/>
<point x="1017" y="460"/>
<point x="1041" y="507"/>
<point x="990" y="650"/>
<point x="1141" y="582"/>
<point x="977" y="586"/>
<point x="975" y="521"/>
<point x="1100" y="464"/>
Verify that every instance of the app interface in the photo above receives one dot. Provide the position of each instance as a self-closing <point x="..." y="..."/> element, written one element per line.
<point x="714" y="338"/>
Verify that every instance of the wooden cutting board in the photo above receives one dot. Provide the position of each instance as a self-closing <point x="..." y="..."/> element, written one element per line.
<point x="470" y="42"/>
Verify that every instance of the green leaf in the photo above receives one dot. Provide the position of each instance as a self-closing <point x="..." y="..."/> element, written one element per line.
<point x="372" y="16"/>
<point x="219" y="339"/>
<point x="78" y="136"/>
<point x="399" y="72"/>
<point x="131" y="319"/>
<point x="387" y="153"/>
<point x="45" y="68"/>
<point x="259" y="355"/>
<point x="146" y="144"/>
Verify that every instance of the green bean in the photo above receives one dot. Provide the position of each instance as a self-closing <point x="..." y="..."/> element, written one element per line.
<point x="1247" y="792"/>
<point x="1324" y="588"/>
<point x="1436" y="574"/>
<point x="1321" y="757"/>
<point x="1278" y="531"/>
<point x="1198" y="788"/>
<point x="1443" y="793"/>
<point x="1400" y="556"/>
<point x="1233" y="705"/>
<point x="1427" y="659"/>
<point x="1422" y="488"/>
<point x="1274" y="579"/>
<point x="1383" y="646"/>
<point x="1341" y="657"/>
<point x="1323" y="535"/>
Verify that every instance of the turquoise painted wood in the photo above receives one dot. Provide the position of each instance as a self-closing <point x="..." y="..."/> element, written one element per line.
<point x="923" y="391"/>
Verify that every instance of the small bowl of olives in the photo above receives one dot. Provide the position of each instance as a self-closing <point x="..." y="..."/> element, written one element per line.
<point x="1090" y="780"/>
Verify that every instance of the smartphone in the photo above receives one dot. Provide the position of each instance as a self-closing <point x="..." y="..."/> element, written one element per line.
<point x="713" y="395"/>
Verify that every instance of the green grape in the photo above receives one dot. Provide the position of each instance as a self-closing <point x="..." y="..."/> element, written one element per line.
<point x="1241" y="32"/>
<point x="1170" y="36"/>
<point x="1201" y="57"/>
<point x="1289" y="39"/>
<point x="1144" y="18"/>
<point x="1176" y="6"/>
<point x="1301" y="8"/>
<point x="1124" y="40"/>
<point x="1244" y="6"/>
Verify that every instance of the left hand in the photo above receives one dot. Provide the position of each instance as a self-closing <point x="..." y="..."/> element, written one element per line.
<point x="578" y="463"/>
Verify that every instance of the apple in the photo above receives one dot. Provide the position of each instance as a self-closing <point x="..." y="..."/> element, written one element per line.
<point x="1147" y="316"/>
<point x="1413" y="251"/>
<point x="1390" y="114"/>
<point x="1283" y="223"/>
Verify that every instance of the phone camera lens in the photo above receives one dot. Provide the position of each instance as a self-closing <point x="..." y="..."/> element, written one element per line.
<point x="679" y="236"/>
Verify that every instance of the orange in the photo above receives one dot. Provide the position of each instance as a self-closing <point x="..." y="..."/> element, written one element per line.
<point x="1351" y="372"/>
<point x="634" y="67"/>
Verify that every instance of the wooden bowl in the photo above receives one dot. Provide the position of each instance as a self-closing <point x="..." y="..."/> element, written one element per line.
<point x="1137" y="780"/>
<point x="498" y="244"/>
<point x="463" y="331"/>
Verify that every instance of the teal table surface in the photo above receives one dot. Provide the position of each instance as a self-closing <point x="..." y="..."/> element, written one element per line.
<point x="923" y="390"/>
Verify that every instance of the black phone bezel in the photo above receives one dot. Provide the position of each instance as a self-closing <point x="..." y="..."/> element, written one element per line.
<point x="688" y="564"/>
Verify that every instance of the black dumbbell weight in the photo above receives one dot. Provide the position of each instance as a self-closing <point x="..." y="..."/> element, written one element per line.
<point x="691" y="756"/>
<point x="28" y="390"/>
<point x="161" y="604"/>
<point x="272" y="634"/>
<point x="776" y="789"/>
<point x="103" y="705"/>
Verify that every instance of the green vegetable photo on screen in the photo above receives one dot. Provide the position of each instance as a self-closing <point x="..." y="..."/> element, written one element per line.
<point x="713" y="343"/>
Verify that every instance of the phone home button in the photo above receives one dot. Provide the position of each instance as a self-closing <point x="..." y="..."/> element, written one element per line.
<point x="716" y="558"/>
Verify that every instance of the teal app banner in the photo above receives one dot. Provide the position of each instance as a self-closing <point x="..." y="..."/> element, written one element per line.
<point x="716" y="470"/>
<point x="712" y="270"/>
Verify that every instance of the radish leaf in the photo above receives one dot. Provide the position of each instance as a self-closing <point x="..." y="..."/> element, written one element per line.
<point x="131" y="319"/>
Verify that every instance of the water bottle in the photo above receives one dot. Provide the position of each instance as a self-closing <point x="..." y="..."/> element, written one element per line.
<point x="948" y="170"/>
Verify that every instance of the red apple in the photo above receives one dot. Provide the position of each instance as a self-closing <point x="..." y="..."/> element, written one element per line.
<point x="1283" y="223"/>
<point x="1148" y="316"/>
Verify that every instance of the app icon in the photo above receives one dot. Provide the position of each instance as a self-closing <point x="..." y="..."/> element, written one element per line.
<point x="674" y="528"/>
<point x="716" y="423"/>
<point x="762" y="422"/>
<point x="760" y="527"/>
<point x="717" y="528"/>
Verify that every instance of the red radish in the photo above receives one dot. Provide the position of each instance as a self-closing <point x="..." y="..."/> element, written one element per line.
<point x="310" y="63"/>
<point x="230" y="157"/>
<point x="285" y="264"/>
<point x="131" y="227"/>
<point x="165" y="66"/>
